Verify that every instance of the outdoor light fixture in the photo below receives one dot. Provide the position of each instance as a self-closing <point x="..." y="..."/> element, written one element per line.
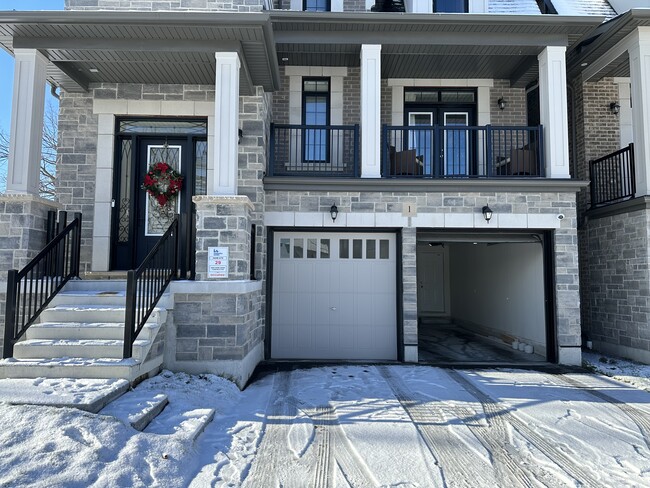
<point x="501" y="102"/>
<point x="487" y="213"/>
<point x="334" y="212"/>
<point x="240" y="135"/>
<point x="615" y="108"/>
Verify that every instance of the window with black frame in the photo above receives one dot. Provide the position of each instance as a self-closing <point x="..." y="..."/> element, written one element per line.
<point x="316" y="5"/>
<point x="450" y="6"/>
<point x="315" y="112"/>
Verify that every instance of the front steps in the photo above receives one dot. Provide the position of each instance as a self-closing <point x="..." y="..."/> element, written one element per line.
<point x="80" y="335"/>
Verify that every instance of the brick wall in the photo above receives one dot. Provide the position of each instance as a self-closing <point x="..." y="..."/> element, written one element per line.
<point x="166" y="5"/>
<point x="515" y="113"/>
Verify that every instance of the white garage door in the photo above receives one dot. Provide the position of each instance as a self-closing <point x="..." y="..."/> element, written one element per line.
<point x="334" y="296"/>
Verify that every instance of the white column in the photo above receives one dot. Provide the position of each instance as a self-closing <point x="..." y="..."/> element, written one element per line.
<point x="226" y="111"/>
<point x="625" y="114"/>
<point x="553" y="110"/>
<point x="639" y="52"/>
<point x="23" y="172"/>
<point x="371" y="110"/>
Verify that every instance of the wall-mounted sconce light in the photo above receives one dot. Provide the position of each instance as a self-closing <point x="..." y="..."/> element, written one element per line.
<point x="334" y="212"/>
<point x="487" y="213"/>
<point x="501" y="102"/>
<point x="614" y="108"/>
<point x="240" y="135"/>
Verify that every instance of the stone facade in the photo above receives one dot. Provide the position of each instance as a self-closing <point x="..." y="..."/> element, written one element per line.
<point x="451" y="210"/>
<point x="167" y="5"/>
<point x="618" y="270"/>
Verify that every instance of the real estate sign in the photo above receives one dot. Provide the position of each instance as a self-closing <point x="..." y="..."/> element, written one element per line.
<point x="217" y="262"/>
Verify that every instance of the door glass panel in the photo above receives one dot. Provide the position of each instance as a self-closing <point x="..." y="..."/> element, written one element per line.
<point x="124" y="221"/>
<point x="344" y="249"/>
<point x="455" y="143"/>
<point x="450" y="6"/>
<point x="297" y="248"/>
<point x="324" y="248"/>
<point x="201" y="168"/>
<point x="383" y="249"/>
<point x="316" y="139"/>
<point x="357" y="248"/>
<point x="422" y="139"/>
<point x="159" y="217"/>
<point x="371" y="249"/>
<point x="285" y="248"/>
<point x="311" y="248"/>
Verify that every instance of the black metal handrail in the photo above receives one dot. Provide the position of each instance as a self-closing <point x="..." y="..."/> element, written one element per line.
<point x="145" y="285"/>
<point x="32" y="288"/>
<point x="455" y="151"/>
<point x="316" y="150"/>
<point x="612" y="177"/>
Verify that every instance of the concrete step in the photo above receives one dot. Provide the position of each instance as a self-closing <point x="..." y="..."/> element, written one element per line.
<point x="95" y="285"/>
<point x="91" y="313"/>
<point x="137" y="408"/>
<point x="77" y="330"/>
<point x="105" y="368"/>
<point x="77" y="348"/>
<point x="101" y="298"/>
<point x="187" y="425"/>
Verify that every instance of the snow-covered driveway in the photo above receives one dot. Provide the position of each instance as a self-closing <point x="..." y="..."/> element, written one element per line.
<point x="360" y="426"/>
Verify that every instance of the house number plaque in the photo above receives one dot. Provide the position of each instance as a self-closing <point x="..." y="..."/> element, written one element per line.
<point x="217" y="262"/>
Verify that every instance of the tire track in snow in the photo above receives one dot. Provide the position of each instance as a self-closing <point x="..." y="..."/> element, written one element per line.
<point x="639" y="418"/>
<point x="456" y="461"/>
<point x="497" y="414"/>
<point x="273" y="458"/>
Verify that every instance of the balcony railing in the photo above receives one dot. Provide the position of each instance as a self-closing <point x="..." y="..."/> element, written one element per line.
<point x="612" y="177"/>
<point x="462" y="151"/>
<point x="314" y="150"/>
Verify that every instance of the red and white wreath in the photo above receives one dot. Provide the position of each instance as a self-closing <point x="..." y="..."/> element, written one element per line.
<point x="162" y="182"/>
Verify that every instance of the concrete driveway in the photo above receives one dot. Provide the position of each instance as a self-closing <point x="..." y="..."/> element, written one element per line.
<point x="407" y="426"/>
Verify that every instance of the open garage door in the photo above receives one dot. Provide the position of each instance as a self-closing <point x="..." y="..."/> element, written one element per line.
<point x="478" y="293"/>
<point x="334" y="296"/>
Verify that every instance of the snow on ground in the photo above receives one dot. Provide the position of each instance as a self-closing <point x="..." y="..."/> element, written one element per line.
<point x="397" y="426"/>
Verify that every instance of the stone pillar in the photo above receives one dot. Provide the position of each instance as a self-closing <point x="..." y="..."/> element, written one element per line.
<point x="639" y="52"/>
<point x="553" y="110"/>
<point x="23" y="172"/>
<point x="410" y="294"/>
<point x="223" y="221"/>
<point x="371" y="111"/>
<point x="223" y="180"/>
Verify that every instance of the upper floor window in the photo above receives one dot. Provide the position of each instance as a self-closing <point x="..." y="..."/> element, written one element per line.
<point x="315" y="112"/>
<point x="451" y="6"/>
<point x="316" y="5"/>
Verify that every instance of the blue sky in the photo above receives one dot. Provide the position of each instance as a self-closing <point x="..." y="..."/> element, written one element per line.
<point x="7" y="62"/>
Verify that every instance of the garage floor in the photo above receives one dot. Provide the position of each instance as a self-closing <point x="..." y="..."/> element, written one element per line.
<point x="443" y="343"/>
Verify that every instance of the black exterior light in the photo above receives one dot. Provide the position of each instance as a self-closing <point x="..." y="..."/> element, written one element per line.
<point x="334" y="212"/>
<point x="615" y="108"/>
<point x="487" y="213"/>
<point x="501" y="102"/>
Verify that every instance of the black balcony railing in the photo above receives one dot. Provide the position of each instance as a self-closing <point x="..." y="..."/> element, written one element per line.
<point x="32" y="288"/>
<point x="612" y="177"/>
<point x="145" y="285"/>
<point x="462" y="151"/>
<point x="314" y="150"/>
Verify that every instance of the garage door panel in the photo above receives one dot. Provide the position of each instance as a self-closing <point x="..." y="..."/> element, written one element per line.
<point x="342" y="296"/>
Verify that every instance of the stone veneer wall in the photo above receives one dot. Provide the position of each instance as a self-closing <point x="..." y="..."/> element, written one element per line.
<point x="166" y="5"/>
<point x="618" y="314"/>
<point x="512" y="210"/>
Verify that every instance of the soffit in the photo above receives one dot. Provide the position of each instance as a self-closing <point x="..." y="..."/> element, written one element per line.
<point x="428" y="45"/>
<point x="143" y="47"/>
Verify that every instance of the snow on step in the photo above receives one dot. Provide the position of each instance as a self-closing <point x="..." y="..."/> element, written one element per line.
<point x="77" y="330"/>
<point x="187" y="425"/>
<point x="92" y="313"/>
<point x="99" y="297"/>
<point x="137" y="408"/>
<point x="76" y="348"/>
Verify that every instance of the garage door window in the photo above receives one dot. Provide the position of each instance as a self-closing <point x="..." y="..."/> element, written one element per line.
<point x="316" y="248"/>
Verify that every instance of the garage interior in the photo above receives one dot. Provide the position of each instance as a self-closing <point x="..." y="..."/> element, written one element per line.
<point x="481" y="298"/>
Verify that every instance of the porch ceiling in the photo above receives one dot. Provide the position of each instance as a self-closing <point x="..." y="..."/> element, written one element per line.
<point x="604" y="38"/>
<point x="428" y="46"/>
<point x="143" y="47"/>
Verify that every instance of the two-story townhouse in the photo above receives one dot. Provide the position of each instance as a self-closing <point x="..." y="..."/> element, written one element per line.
<point x="360" y="180"/>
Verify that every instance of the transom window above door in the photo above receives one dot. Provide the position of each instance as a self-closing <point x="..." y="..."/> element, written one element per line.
<point x="450" y="6"/>
<point x="316" y="5"/>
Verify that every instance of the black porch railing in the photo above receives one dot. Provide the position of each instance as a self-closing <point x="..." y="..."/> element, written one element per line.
<point x="32" y="288"/>
<point x="612" y="177"/>
<point x="314" y="150"/>
<point x="146" y="285"/>
<point x="462" y="151"/>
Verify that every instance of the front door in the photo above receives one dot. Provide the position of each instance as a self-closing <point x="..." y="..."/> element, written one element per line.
<point x="138" y="219"/>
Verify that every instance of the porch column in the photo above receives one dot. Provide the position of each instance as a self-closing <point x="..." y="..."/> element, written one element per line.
<point x="639" y="52"/>
<point x="370" y="111"/>
<point x="226" y="111"/>
<point x="24" y="162"/>
<point x="553" y="110"/>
